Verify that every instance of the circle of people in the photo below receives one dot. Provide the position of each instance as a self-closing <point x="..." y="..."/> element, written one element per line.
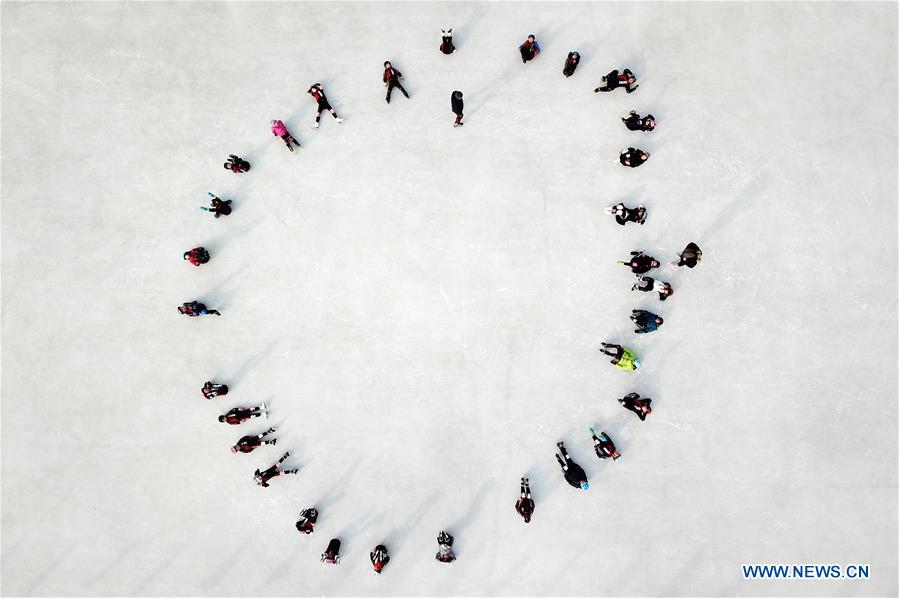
<point x="623" y="358"/>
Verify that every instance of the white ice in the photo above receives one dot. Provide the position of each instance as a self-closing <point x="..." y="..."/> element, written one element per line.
<point x="422" y="305"/>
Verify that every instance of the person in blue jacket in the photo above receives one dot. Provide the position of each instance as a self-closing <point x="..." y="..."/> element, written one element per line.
<point x="646" y="321"/>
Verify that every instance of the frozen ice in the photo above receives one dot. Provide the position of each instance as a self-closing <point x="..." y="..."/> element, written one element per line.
<point x="421" y="305"/>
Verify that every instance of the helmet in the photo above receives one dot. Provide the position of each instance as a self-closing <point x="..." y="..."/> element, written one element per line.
<point x="636" y="364"/>
<point x="585" y="485"/>
<point x="532" y="36"/>
<point x="274" y="122"/>
<point x="233" y="449"/>
<point x="457" y="95"/>
<point x="221" y="418"/>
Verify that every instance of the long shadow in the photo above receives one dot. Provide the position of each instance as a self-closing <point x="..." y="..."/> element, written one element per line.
<point x="215" y="244"/>
<point x="396" y="538"/>
<point x="338" y="489"/>
<point x="477" y="504"/>
<point x="236" y="377"/>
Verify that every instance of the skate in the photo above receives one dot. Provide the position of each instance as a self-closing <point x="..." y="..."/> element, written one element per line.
<point x="458" y="124"/>
<point x="339" y="120"/>
<point x="264" y="408"/>
<point x="315" y="125"/>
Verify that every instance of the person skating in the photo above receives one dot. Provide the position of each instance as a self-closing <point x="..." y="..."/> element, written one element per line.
<point x="262" y="477"/>
<point x="690" y="256"/>
<point x="529" y="49"/>
<point x="445" y="552"/>
<point x="236" y="164"/>
<point x="219" y="206"/>
<point x="279" y="130"/>
<point x="646" y="284"/>
<point x="624" y="214"/>
<point x="392" y="79"/>
<point x="194" y="309"/>
<point x="239" y="415"/>
<point x="306" y="522"/>
<point x="457" y="104"/>
<point x="633" y="157"/>
<point x="646" y="321"/>
<point x="331" y="555"/>
<point x="622" y="357"/>
<point x="604" y="446"/>
<point x="634" y="122"/>
<point x="571" y="63"/>
<point x="211" y="390"/>
<point x="525" y="504"/>
<point x="197" y="256"/>
<point x="379" y="558"/>
<point x="446" y="41"/>
<point x="318" y="93"/>
<point x="641" y="263"/>
<point x="640" y="406"/>
<point x="614" y="80"/>
<point x="574" y="474"/>
<point x="250" y="443"/>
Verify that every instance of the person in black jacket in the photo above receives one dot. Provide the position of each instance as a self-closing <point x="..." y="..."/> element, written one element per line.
<point x="634" y="122"/>
<point x="604" y="446"/>
<point x="571" y="63"/>
<point x="236" y="164"/>
<point x="456" y="103"/>
<point x="251" y="442"/>
<point x="633" y="157"/>
<point x="262" y="477"/>
<point x="641" y="263"/>
<point x="574" y="473"/>
<point x="379" y="558"/>
<point x="446" y="41"/>
<point x="392" y="79"/>
<point x="690" y="256"/>
<point x="219" y="207"/>
<point x="624" y="214"/>
<point x="306" y="522"/>
<point x="211" y="390"/>
<point x="525" y="504"/>
<point x="614" y="80"/>
<point x="640" y="406"/>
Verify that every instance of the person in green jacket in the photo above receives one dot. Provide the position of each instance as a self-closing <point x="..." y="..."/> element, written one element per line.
<point x="622" y="358"/>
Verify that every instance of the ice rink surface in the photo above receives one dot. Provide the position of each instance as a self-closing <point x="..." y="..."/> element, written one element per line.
<point x="421" y="306"/>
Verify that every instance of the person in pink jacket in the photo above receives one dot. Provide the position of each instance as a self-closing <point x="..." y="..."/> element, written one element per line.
<point x="279" y="130"/>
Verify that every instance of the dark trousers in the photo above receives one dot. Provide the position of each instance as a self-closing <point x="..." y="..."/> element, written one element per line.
<point x="394" y="83"/>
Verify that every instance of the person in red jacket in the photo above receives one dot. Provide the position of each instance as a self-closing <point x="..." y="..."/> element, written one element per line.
<point x="250" y="443"/>
<point x="529" y="49"/>
<point x="238" y="415"/>
<point x="318" y="93"/>
<point x="262" y="477"/>
<point x="197" y="256"/>
<point x="525" y="504"/>
<point x="392" y="79"/>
